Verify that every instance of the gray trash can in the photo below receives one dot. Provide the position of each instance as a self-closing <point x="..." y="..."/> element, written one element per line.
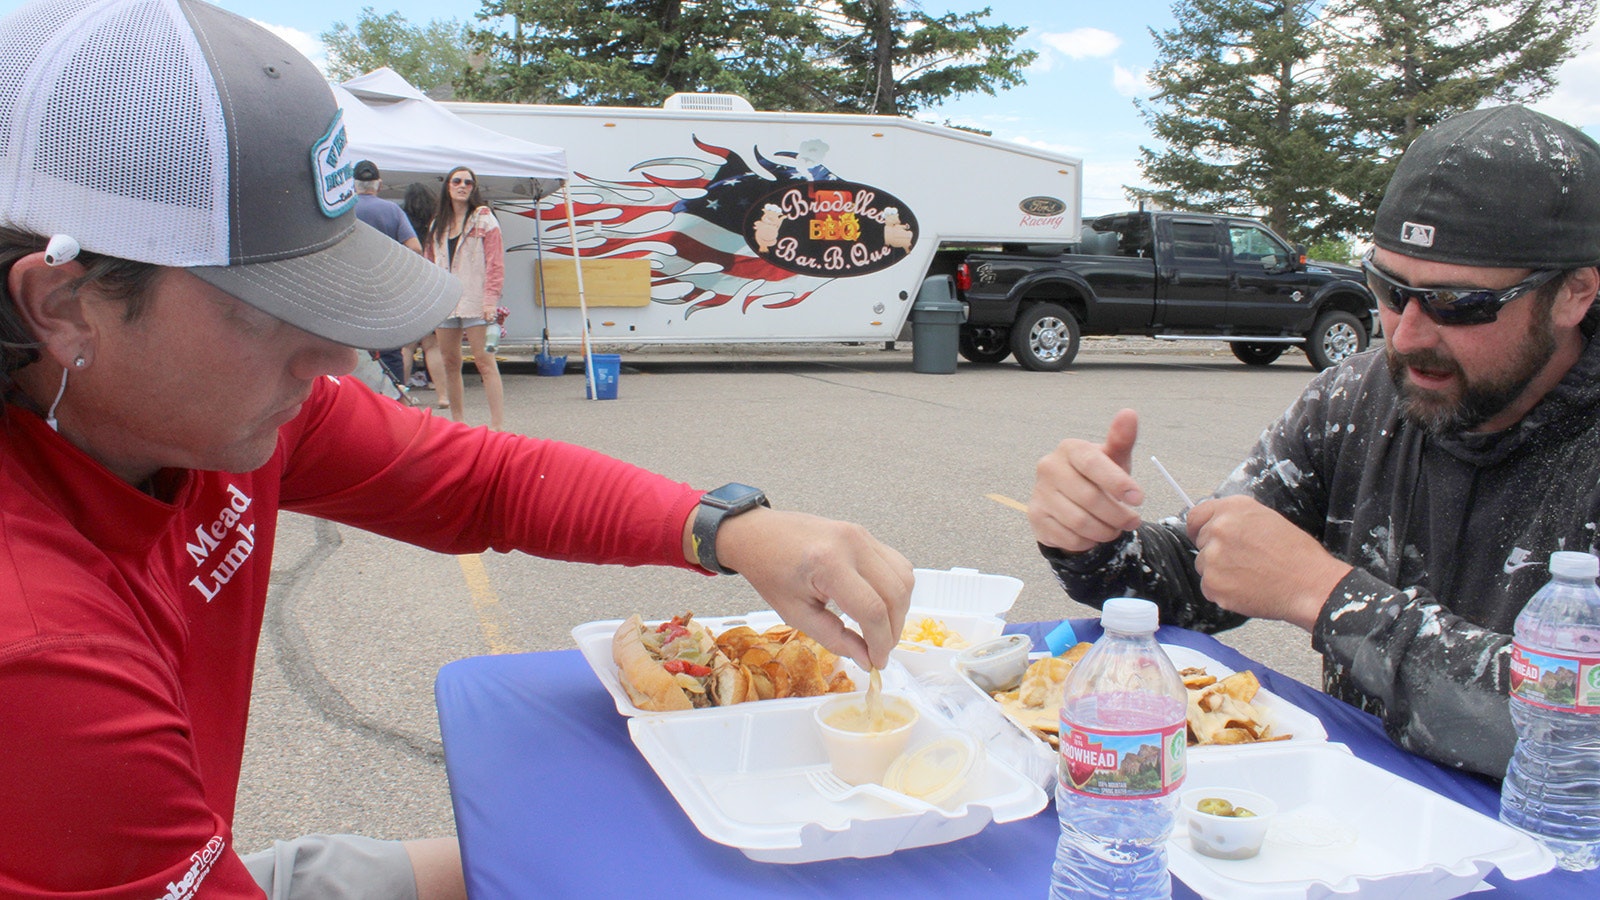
<point x="936" y="319"/>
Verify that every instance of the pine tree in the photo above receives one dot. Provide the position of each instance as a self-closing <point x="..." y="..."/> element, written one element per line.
<point x="893" y="58"/>
<point x="1404" y="65"/>
<point x="1240" y="107"/>
<point x="1296" y="109"/>
<point x="429" y="56"/>
<point x="884" y="56"/>
<point x="639" y="52"/>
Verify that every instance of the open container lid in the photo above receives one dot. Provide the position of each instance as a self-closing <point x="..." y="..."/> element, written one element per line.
<point x="1346" y="828"/>
<point x="966" y="591"/>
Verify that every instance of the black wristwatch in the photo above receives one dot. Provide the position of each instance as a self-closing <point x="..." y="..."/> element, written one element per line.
<point x="725" y="501"/>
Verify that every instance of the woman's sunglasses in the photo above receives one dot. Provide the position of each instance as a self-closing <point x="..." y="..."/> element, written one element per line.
<point x="465" y="181"/>
<point x="1450" y="306"/>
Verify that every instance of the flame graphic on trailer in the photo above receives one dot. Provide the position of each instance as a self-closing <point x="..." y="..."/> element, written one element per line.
<point x="720" y="234"/>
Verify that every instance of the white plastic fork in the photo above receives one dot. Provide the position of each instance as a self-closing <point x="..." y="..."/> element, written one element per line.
<point x="834" y="788"/>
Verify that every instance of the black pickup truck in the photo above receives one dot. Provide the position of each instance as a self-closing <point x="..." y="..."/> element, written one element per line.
<point x="1171" y="275"/>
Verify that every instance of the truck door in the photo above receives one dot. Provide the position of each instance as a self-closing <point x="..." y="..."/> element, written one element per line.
<point x="1192" y="280"/>
<point x="1269" y="293"/>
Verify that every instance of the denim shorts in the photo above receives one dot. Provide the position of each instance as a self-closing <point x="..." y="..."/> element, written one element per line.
<point x="463" y="322"/>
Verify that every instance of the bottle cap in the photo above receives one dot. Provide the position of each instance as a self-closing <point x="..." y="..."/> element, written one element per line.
<point x="1129" y="615"/>
<point x="1572" y="564"/>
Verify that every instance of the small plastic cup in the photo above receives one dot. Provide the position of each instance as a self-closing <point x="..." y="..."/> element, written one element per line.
<point x="937" y="769"/>
<point x="998" y="664"/>
<point x="857" y="755"/>
<point x="1227" y="837"/>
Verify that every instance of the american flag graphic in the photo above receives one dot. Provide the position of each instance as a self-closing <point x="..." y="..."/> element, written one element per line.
<point x="690" y="216"/>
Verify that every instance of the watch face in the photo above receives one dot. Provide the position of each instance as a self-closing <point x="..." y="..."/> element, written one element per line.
<point x="734" y="496"/>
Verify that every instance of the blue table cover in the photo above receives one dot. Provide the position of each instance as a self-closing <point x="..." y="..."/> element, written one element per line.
<point x="552" y="799"/>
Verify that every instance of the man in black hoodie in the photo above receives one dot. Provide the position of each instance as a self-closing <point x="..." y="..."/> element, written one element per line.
<point x="1403" y="510"/>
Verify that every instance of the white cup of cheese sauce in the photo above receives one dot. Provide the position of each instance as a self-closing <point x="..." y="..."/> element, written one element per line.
<point x="859" y="753"/>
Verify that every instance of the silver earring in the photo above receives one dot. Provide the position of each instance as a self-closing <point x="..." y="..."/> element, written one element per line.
<point x="80" y="362"/>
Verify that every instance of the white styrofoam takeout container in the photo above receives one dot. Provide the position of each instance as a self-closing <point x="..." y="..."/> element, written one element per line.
<point x="594" y="641"/>
<point x="1285" y="717"/>
<point x="1346" y="827"/>
<point x="740" y="773"/>
<point x="970" y="603"/>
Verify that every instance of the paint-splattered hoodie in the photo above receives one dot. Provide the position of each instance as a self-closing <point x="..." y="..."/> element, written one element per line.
<point x="1449" y="536"/>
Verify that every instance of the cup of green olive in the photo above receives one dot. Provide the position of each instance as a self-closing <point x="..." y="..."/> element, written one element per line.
<point x="1226" y="823"/>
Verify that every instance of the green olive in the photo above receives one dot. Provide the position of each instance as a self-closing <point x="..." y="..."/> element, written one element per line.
<point x="1215" y="806"/>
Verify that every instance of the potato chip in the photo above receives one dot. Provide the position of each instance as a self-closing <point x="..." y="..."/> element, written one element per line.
<point x="783" y="662"/>
<point x="1241" y="686"/>
<point x="1219" y="711"/>
<point x="801" y="664"/>
<point x="755" y="657"/>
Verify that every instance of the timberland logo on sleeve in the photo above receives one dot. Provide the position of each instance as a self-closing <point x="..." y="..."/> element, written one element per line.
<point x="1416" y="235"/>
<point x="334" y="170"/>
<point x="221" y="548"/>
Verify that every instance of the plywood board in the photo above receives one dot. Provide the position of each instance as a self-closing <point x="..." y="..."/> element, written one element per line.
<point x="606" y="282"/>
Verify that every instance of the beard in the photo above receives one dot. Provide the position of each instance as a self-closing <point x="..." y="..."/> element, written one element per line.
<point x="1480" y="400"/>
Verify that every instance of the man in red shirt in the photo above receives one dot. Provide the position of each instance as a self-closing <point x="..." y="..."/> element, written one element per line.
<point x="184" y="279"/>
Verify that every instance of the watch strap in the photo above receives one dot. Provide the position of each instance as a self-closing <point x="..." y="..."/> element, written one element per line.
<point x="715" y="507"/>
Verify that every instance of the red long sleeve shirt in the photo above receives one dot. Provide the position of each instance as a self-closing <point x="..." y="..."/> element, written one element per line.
<point x="128" y="626"/>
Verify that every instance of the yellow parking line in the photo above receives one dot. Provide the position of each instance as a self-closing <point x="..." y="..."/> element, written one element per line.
<point x="491" y="618"/>
<point x="1003" y="500"/>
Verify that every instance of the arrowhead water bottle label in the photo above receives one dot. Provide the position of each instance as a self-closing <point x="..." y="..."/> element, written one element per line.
<point x="1122" y="764"/>
<point x="1555" y="681"/>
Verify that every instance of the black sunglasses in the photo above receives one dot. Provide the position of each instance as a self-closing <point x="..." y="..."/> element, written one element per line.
<point x="1450" y="306"/>
<point x="465" y="181"/>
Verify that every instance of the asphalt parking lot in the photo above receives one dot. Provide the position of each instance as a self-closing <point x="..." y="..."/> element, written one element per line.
<point x="343" y="733"/>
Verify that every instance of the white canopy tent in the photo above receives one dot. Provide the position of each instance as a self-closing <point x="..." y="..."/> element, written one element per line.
<point x="411" y="138"/>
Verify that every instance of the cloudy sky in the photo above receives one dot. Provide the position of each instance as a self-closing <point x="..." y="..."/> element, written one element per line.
<point x="1078" y="99"/>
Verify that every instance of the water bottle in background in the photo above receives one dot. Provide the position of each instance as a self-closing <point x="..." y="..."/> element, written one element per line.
<point x="1552" y="787"/>
<point x="1123" y="743"/>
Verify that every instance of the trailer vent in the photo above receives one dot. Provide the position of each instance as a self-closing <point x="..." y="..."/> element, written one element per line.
<point x="708" y="103"/>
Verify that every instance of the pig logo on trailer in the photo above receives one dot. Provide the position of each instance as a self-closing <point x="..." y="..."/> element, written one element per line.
<point x="833" y="228"/>
<point x="719" y="233"/>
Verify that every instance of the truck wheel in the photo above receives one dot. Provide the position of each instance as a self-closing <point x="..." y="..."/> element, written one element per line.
<point x="983" y="346"/>
<point x="1256" y="354"/>
<point x="1336" y="337"/>
<point x="1045" y="338"/>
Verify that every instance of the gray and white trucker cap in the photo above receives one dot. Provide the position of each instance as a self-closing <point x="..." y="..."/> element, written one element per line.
<point x="173" y="132"/>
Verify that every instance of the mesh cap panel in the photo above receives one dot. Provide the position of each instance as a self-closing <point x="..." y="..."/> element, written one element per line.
<point x="144" y="154"/>
<point x="173" y="132"/>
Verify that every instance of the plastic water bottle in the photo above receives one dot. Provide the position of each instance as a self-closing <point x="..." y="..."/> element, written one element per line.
<point x="1552" y="787"/>
<point x="1123" y="748"/>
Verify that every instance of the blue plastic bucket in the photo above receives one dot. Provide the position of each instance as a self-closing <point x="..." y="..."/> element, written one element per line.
<point x="607" y="369"/>
<point x="550" y="365"/>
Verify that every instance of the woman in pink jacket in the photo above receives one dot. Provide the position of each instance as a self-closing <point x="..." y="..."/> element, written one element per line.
<point x="465" y="238"/>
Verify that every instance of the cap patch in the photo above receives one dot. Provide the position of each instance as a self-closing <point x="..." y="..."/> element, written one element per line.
<point x="330" y="159"/>
<point x="1416" y="235"/>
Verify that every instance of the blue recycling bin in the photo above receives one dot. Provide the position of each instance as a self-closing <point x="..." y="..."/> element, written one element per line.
<point x="607" y="370"/>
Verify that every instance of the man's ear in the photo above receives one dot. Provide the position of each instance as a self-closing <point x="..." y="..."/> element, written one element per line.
<point x="1576" y="296"/>
<point x="49" y="306"/>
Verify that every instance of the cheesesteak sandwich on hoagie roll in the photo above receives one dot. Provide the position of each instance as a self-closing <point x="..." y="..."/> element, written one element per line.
<point x="675" y="665"/>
